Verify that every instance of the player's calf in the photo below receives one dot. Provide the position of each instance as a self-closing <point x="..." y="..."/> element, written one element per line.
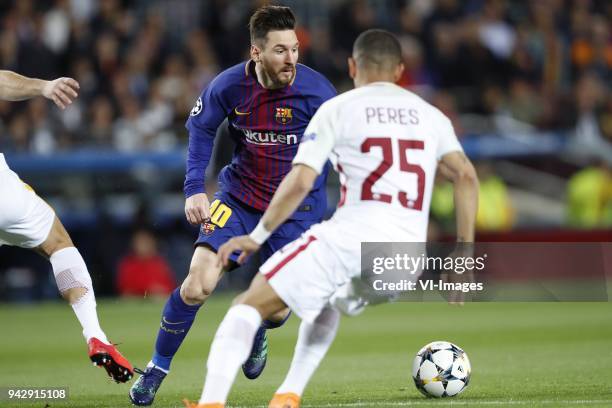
<point x="74" y="294"/>
<point x="177" y="318"/>
<point x="277" y="319"/>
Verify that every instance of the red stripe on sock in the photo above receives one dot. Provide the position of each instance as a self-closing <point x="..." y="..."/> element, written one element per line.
<point x="289" y="257"/>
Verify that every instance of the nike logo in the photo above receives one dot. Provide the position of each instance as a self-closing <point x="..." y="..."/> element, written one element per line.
<point x="241" y="113"/>
<point x="167" y="322"/>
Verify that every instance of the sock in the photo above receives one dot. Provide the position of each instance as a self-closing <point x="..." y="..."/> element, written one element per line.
<point x="151" y="364"/>
<point x="313" y="342"/>
<point x="177" y="318"/>
<point x="71" y="272"/>
<point x="229" y="350"/>
<point x="271" y="324"/>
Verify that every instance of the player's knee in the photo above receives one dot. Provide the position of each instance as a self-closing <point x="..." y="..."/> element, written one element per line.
<point x="57" y="239"/>
<point x="202" y="279"/>
<point x="195" y="292"/>
<point x="194" y="295"/>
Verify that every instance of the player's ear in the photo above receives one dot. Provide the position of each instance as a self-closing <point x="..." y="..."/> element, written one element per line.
<point x="352" y="66"/>
<point x="255" y="53"/>
<point x="399" y="71"/>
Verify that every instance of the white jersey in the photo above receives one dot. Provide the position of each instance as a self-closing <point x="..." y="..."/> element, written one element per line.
<point x="385" y="143"/>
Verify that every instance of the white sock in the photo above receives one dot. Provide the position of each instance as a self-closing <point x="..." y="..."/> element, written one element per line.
<point x="312" y="344"/>
<point x="229" y="350"/>
<point x="152" y="364"/>
<point x="71" y="272"/>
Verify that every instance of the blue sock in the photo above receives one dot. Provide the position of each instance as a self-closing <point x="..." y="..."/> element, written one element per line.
<point x="271" y="324"/>
<point x="176" y="321"/>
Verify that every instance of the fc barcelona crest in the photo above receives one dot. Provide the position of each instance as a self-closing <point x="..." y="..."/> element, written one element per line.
<point x="283" y="115"/>
<point x="208" y="228"/>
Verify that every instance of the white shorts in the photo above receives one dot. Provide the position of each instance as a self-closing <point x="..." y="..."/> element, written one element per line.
<point x="310" y="273"/>
<point x="25" y="219"/>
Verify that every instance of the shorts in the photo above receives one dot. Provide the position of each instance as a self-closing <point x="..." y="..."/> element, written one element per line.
<point x="25" y="219"/>
<point x="307" y="273"/>
<point x="231" y="218"/>
<point x="323" y="268"/>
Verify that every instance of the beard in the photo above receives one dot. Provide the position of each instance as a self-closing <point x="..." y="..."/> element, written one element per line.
<point x="282" y="76"/>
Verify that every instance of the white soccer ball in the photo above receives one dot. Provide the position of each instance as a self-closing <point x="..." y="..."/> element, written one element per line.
<point x="441" y="369"/>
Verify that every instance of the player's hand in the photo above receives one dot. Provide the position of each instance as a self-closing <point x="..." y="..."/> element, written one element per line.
<point x="457" y="297"/>
<point x="62" y="91"/>
<point x="244" y="244"/>
<point x="197" y="209"/>
<point x="463" y="276"/>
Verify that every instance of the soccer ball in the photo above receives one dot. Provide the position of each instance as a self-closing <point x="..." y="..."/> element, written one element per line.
<point x="441" y="369"/>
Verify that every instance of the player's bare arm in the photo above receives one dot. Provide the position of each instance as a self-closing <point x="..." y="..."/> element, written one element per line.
<point x="197" y="209"/>
<point x="16" y="87"/>
<point x="458" y="169"/>
<point x="291" y="192"/>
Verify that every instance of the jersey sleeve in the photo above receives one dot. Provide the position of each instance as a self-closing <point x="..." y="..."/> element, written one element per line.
<point x="205" y="117"/>
<point x="318" y="141"/>
<point x="447" y="139"/>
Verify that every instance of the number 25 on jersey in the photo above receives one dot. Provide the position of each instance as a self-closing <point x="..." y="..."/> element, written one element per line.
<point x="386" y="145"/>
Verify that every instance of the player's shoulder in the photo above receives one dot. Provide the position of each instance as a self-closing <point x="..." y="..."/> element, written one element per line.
<point x="308" y="78"/>
<point x="348" y="99"/>
<point x="309" y="72"/>
<point x="346" y="102"/>
<point x="229" y="77"/>
<point x="389" y="91"/>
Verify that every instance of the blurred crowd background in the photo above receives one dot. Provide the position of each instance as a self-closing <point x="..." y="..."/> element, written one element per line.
<point x="509" y="65"/>
<point x="526" y="84"/>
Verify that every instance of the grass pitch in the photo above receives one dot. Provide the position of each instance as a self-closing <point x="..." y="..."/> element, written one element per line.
<point x="522" y="354"/>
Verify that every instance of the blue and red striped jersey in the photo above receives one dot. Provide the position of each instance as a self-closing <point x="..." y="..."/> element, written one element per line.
<point x="267" y="126"/>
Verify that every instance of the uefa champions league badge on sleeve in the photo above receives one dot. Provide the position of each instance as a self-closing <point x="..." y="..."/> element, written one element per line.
<point x="197" y="108"/>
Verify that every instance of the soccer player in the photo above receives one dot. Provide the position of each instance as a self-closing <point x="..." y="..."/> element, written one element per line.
<point x="29" y="222"/>
<point x="268" y="102"/>
<point x="386" y="143"/>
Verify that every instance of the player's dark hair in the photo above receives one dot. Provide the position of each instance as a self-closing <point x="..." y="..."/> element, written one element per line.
<point x="377" y="49"/>
<point x="270" y="18"/>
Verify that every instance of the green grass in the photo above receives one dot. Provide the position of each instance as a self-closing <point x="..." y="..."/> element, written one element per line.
<point x="522" y="354"/>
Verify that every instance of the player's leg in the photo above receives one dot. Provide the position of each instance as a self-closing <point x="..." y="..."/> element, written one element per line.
<point x="313" y="341"/>
<point x="75" y="285"/>
<point x="234" y="339"/>
<point x="279" y="284"/>
<point x="177" y="318"/>
<point x="284" y="235"/>
<point x="308" y="295"/>
<point x="181" y="308"/>
<point x="255" y="364"/>
<point x="184" y="303"/>
<point x="28" y="222"/>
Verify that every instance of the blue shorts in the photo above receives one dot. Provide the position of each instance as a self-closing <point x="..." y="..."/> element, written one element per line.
<point x="230" y="218"/>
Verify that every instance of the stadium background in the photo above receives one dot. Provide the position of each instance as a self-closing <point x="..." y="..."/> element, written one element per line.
<point x="526" y="84"/>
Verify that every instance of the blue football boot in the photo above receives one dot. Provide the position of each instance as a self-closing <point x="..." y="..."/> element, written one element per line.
<point x="143" y="390"/>
<point x="256" y="362"/>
